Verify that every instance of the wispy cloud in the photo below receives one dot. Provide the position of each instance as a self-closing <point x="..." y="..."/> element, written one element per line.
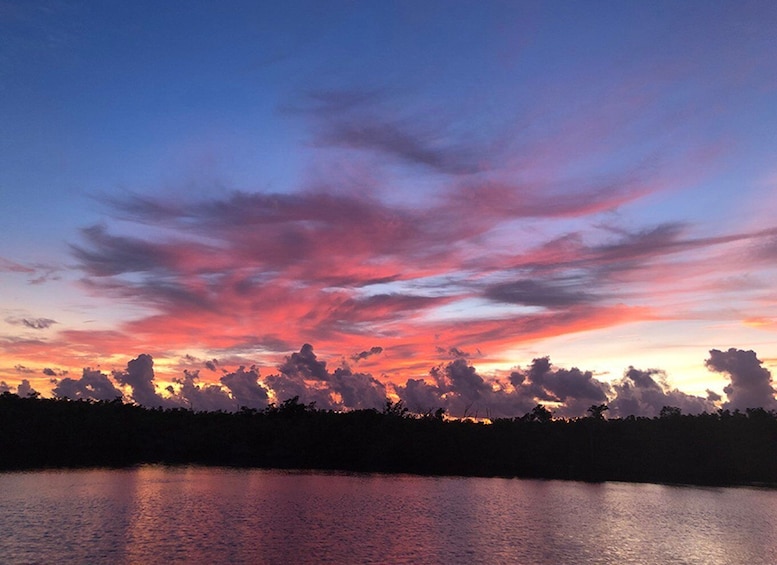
<point x="32" y="323"/>
<point x="275" y="269"/>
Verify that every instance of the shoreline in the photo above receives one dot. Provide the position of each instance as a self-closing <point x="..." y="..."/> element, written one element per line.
<point x="715" y="450"/>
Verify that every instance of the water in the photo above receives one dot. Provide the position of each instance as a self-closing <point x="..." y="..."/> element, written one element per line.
<point x="213" y="515"/>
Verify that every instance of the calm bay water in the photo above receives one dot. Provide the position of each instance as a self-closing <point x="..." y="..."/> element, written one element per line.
<point x="213" y="515"/>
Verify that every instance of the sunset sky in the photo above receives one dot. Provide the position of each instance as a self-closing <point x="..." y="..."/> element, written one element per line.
<point x="434" y="196"/>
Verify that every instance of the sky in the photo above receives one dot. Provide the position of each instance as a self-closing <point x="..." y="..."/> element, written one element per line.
<point x="479" y="206"/>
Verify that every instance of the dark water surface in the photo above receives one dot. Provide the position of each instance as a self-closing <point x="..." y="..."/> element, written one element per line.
<point x="214" y="515"/>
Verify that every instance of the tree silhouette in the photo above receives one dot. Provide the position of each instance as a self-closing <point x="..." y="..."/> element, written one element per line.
<point x="597" y="411"/>
<point x="670" y="412"/>
<point x="721" y="448"/>
<point x="539" y="414"/>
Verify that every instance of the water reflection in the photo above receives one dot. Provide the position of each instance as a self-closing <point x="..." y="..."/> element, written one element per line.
<point x="200" y="515"/>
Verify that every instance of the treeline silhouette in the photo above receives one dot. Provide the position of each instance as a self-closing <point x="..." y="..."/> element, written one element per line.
<point x="721" y="448"/>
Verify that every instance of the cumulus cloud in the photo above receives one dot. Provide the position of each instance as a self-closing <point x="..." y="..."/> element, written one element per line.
<point x="420" y="396"/>
<point x="459" y="389"/>
<point x="462" y="391"/>
<point x="285" y="387"/>
<point x="246" y="388"/>
<point x="462" y="379"/>
<point x="358" y="391"/>
<point x="572" y="390"/>
<point x="562" y="384"/>
<point x="139" y="376"/>
<point x="203" y="397"/>
<point x="456" y="386"/>
<point x="751" y="383"/>
<point x="25" y="389"/>
<point x="92" y="385"/>
<point x="305" y="364"/>
<point x="303" y="374"/>
<point x="645" y="393"/>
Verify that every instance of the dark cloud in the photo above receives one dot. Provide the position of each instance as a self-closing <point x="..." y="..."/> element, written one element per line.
<point x="461" y="377"/>
<point x="139" y="376"/>
<point x="453" y="352"/>
<point x="574" y="384"/>
<point x="462" y="392"/>
<point x="549" y="294"/>
<point x="160" y="289"/>
<point x="211" y="364"/>
<point x="420" y="396"/>
<point x="661" y="241"/>
<point x="113" y="255"/>
<point x="342" y="389"/>
<point x="565" y="272"/>
<point x="286" y="229"/>
<point x="38" y="323"/>
<point x="376" y="350"/>
<point x="643" y="244"/>
<point x="574" y="389"/>
<point x="52" y="373"/>
<point x="751" y="383"/>
<point x="92" y="385"/>
<point x="379" y="306"/>
<point x="459" y="389"/>
<point x="24" y="370"/>
<point x="32" y="323"/>
<point x="358" y="391"/>
<point x="645" y="393"/>
<point x="517" y="378"/>
<point x="203" y="397"/>
<point x="305" y="364"/>
<point x="245" y="388"/>
<point x="285" y="387"/>
<point x="25" y="389"/>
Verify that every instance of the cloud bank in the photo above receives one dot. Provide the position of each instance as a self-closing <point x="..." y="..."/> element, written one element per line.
<point x="455" y="386"/>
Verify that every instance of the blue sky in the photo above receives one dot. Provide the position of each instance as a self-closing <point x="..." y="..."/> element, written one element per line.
<point x="490" y="181"/>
